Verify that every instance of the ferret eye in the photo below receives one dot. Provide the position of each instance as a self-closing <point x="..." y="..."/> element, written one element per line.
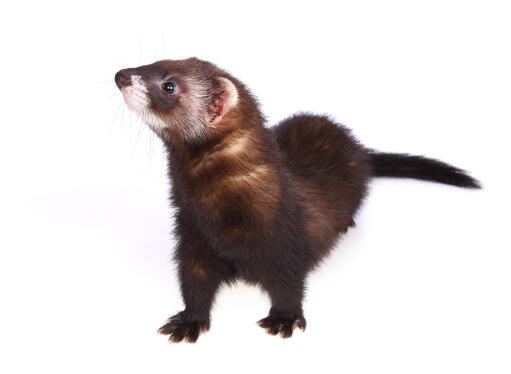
<point x="170" y="87"/>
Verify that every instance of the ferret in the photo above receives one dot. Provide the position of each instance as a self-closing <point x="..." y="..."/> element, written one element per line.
<point x="261" y="204"/>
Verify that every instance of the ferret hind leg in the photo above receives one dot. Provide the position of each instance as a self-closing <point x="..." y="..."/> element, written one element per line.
<point x="286" y="311"/>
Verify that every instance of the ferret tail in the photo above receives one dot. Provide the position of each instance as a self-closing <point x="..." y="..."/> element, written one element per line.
<point x="401" y="165"/>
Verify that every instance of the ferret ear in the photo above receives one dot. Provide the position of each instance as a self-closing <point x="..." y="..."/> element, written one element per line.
<point x="225" y="98"/>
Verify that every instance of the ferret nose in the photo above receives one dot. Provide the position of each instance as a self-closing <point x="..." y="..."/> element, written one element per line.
<point x="122" y="79"/>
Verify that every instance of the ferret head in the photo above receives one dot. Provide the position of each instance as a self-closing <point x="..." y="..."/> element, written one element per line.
<point x="183" y="98"/>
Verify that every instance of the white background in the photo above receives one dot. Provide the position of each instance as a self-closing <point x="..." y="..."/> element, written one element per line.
<point x="422" y="285"/>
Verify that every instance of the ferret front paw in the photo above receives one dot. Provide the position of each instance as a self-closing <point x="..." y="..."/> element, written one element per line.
<point x="184" y="327"/>
<point x="282" y="324"/>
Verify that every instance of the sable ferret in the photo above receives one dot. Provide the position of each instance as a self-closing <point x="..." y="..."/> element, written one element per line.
<point x="254" y="203"/>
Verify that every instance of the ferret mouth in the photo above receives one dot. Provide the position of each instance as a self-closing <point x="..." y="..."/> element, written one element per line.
<point x="134" y="100"/>
<point x="133" y="91"/>
<point x="135" y="95"/>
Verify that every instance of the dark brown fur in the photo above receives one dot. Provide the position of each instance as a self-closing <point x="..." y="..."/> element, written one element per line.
<point x="263" y="205"/>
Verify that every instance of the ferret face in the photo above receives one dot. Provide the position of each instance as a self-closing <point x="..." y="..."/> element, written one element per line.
<point x="186" y="98"/>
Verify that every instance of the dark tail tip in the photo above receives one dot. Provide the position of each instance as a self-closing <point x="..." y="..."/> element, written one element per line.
<point x="460" y="179"/>
<point x="399" y="165"/>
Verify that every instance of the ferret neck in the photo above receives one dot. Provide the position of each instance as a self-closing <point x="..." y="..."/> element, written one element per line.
<point x="244" y="120"/>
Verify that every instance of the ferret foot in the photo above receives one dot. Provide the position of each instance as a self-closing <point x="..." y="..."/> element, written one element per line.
<point x="282" y="325"/>
<point x="182" y="327"/>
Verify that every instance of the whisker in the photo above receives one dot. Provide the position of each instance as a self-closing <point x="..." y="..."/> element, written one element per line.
<point x="113" y="95"/>
<point x="122" y="121"/>
<point x="115" y="116"/>
<point x="138" y="137"/>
